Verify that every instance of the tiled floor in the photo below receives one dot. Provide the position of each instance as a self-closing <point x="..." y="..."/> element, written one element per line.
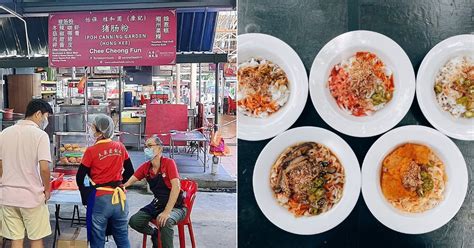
<point x="228" y="125"/>
<point x="229" y="133"/>
<point x="230" y="163"/>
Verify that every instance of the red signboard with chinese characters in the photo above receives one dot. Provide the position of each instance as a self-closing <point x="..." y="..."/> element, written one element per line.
<point x="113" y="38"/>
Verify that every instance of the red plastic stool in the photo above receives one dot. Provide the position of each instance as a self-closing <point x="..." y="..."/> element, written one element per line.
<point x="190" y="189"/>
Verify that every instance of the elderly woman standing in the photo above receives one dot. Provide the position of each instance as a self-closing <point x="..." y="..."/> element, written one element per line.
<point x="104" y="163"/>
<point x="167" y="206"/>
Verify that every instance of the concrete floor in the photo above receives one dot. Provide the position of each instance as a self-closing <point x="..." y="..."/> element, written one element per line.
<point x="214" y="220"/>
<point x="228" y="128"/>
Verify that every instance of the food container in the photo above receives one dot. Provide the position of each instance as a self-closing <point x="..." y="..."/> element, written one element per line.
<point x="69" y="149"/>
<point x="57" y="180"/>
<point x="69" y="183"/>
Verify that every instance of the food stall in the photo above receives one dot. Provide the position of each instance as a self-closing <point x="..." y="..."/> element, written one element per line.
<point x="72" y="109"/>
<point x="90" y="83"/>
<point x="106" y="80"/>
<point x="73" y="104"/>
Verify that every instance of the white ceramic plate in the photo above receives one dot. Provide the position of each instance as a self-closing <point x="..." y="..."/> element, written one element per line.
<point x="455" y="191"/>
<point x="343" y="47"/>
<point x="270" y="48"/>
<point x="280" y="216"/>
<point x="458" y="128"/>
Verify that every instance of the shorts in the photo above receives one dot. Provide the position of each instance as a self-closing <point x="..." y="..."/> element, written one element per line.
<point x="16" y="220"/>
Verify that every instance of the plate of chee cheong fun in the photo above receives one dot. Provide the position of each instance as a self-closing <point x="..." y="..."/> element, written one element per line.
<point x="414" y="179"/>
<point x="362" y="83"/>
<point x="445" y="86"/>
<point x="272" y="86"/>
<point x="306" y="180"/>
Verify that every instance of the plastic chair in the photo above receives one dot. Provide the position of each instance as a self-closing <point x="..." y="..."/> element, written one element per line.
<point x="190" y="188"/>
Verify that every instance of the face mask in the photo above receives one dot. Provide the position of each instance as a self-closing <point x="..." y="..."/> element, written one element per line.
<point x="91" y="138"/>
<point x="44" y="123"/>
<point x="149" y="154"/>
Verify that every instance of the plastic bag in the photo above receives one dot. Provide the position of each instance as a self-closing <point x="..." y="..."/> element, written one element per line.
<point x="218" y="146"/>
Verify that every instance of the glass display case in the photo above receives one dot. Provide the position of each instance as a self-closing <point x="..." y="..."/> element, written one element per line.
<point x="69" y="147"/>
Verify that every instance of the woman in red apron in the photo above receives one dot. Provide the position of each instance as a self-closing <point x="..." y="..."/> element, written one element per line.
<point x="167" y="206"/>
<point x="104" y="163"/>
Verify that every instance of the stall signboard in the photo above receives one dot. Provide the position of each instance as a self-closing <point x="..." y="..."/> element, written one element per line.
<point x="113" y="38"/>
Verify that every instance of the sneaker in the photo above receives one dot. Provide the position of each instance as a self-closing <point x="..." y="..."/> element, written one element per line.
<point x="154" y="238"/>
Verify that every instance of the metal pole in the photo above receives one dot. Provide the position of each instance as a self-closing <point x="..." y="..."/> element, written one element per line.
<point x="171" y="91"/>
<point x="199" y="91"/>
<point x="192" y="88"/>
<point x="204" y="87"/>
<point x="86" y="98"/>
<point x="216" y="98"/>
<point x="73" y="75"/>
<point x="120" y="98"/>
<point x="178" y="83"/>
<point x="223" y="82"/>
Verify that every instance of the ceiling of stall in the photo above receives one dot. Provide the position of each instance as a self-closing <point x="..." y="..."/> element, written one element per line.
<point x="35" y="7"/>
<point x="13" y="41"/>
<point x="196" y="30"/>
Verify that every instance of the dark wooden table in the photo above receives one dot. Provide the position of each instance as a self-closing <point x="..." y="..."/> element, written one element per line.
<point x="307" y="25"/>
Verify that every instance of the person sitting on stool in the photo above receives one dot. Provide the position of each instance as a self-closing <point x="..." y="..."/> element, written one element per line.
<point x="167" y="206"/>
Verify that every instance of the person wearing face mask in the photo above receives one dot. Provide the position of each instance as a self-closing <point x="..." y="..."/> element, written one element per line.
<point x="108" y="165"/>
<point x="24" y="177"/>
<point x="167" y="206"/>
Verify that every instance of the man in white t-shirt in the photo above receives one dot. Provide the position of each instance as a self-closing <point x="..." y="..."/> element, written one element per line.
<point x="24" y="177"/>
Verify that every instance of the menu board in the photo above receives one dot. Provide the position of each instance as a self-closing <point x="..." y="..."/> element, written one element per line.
<point x="113" y="38"/>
